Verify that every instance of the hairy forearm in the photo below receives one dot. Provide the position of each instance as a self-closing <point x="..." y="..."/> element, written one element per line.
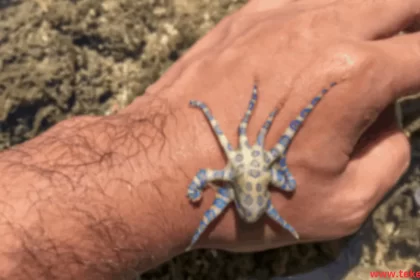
<point x="88" y="199"/>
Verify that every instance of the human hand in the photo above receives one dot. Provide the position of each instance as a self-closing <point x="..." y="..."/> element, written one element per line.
<point x="348" y="153"/>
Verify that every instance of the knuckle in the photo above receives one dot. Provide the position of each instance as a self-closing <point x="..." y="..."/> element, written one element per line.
<point x="353" y="59"/>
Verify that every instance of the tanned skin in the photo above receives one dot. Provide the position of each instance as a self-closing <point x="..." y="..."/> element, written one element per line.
<point x="100" y="197"/>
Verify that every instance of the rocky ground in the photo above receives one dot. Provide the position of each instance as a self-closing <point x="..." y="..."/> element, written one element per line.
<point x="64" y="58"/>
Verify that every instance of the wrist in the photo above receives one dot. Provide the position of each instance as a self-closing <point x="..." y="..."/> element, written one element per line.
<point x="189" y="146"/>
<point x="172" y="161"/>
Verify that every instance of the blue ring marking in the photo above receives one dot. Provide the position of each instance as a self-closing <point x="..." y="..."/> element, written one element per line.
<point x="284" y="140"/>
<point x="305" y="112"/>
<point x="254" y="173"/>
<point x="295" y="124"/>
<point x="260" y="200"/>
<point x="315" y="100"/>
<point x="220" y="203"/>
<point x="255" y="153"/>
<point x="239" y="157"/>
